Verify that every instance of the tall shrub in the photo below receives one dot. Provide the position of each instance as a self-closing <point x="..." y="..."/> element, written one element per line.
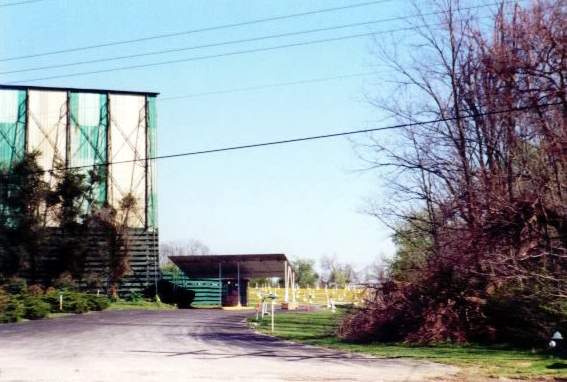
<point x="481" y="193"/>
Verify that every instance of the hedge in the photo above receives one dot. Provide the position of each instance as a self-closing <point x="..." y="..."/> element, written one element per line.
<point x="18" y="301"/>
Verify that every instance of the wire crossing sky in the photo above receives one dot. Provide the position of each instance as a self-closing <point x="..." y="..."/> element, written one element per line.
<point x="240" y="41"/>
<point x="311" y="138"/>
<point x="191" y="31"/>
<point x="14" y="3"/>
<point x="303" y="200"/>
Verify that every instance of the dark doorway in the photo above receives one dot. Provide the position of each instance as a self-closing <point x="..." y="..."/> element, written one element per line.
<point x="230" y="289"/>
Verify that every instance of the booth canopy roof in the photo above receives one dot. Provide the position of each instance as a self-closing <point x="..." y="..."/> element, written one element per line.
<point x="251" y="266"/>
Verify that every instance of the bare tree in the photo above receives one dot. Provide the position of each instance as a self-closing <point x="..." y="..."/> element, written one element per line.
<point x="190" y="247"/>
<point x="375" y="272"/>
<point x="486" y="183"/>
<point x="336" y="273"/>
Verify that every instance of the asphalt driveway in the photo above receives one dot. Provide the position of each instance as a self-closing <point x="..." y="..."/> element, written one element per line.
<point x="180" y="345"/>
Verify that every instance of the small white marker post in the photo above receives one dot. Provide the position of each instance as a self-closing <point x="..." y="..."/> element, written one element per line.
<point x="61" y="301"/>
<point x="272" y="297"/>
<point x="273" y="315"/>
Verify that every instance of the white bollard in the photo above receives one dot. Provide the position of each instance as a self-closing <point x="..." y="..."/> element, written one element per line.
<point x="61" y="302"/>
<point x="272" y="316"/>
<point x="264" y="308"/>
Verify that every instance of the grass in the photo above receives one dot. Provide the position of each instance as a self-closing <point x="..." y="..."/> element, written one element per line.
<point x="318" y="328"/>
<point x="304" y="295"/>
<point x="140" y="304"/>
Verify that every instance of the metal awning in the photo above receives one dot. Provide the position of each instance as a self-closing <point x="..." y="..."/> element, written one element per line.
<point x="229" y="266"/>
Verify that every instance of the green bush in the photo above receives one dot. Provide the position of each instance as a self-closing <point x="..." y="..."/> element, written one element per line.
<point x="135" y="297"/>
<point x="4" y="298"/>
<point x="52" y="298"/>
<point x="35" y="308"/>
<point x="11" y="309"/>
<point x="73" y="302"/>
<point x="35" y="305"/>
<point x="97" y="303"/>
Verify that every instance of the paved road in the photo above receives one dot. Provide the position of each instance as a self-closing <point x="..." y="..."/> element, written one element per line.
<point x="181" y="345"/>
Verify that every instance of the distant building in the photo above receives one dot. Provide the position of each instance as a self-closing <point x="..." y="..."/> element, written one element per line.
<point x="113" y="131"/>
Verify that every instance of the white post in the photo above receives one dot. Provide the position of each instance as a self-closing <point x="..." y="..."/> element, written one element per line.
<point x="272" y="315"/>
<point x="293" y="286"/>
<point x="286" y="293"/>
<point x="60" y="301"/>
<point x="289" y="276"/>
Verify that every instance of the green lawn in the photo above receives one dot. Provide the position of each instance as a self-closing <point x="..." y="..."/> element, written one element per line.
<point x="317" y="328"/>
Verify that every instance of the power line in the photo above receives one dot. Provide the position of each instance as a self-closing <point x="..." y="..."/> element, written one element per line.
<point x="341" y="134"/>
<point x="269" y="86"/>
<point x="212" y="56"/>
<point x="206" y="57"/>
<point x="226" y="54"/>
<point x="20" y="3"/>
<point x="191" y="31"/>
<point x="229" y="42"/>
<point x="304" y="139"/>
<point x="176" y="50"/>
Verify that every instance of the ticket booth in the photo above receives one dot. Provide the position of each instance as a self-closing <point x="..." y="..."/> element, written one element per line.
<point x="230" y="276"/>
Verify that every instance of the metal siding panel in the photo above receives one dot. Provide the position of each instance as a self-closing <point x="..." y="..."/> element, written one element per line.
<point x="152" y="169"/>
<point x="128" y="144"/>
<point x="47" y="128"/>
<point x="207" y="290"/>
<point x="8" y="106"/>
<point x="12" y="126"/>
<point x="88" y="136"/>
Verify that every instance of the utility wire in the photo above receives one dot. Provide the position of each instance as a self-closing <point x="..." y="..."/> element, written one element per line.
<point x="226" y="54"/>
<point x="231" y="42"/>
<point x="191" y="31"/>
<point x="206" y="57"/>
<point x="20" y="3"/>
<point x="202" y="46"/>
<point x="219" y="55"/>
<point x="268" y="86"/>
<point x="303" y="139"/>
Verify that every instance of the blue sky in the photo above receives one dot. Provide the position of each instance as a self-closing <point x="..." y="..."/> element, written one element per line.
<point x="304" y="199"/>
